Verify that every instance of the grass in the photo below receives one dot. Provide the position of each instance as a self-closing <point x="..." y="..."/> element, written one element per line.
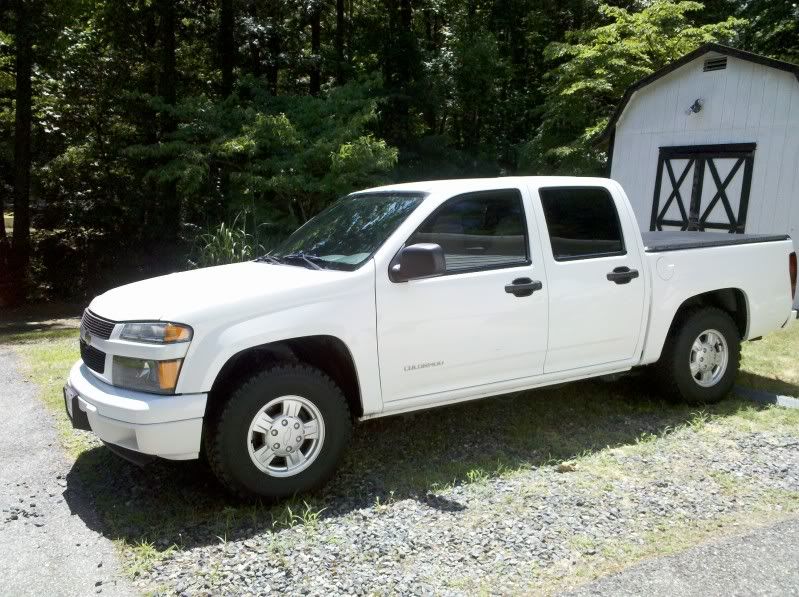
<point x="307" y="516"/>
<point x="144" y="557"/>
<point x="171" y="506"/>
<point x="42" y="340"/>
<point x="772" y="363"/>
<point x="619" y="474"/>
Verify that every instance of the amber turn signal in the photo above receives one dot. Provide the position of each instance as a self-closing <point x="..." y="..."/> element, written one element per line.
<point x="168" y="372"/>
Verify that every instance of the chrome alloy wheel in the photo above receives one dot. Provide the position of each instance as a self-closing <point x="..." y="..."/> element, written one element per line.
<point x="709" y="358"/>
<point x="286" y="436"/>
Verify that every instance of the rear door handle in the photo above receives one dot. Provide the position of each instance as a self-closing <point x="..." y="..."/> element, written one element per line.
<point x="622" y="275"/>
<point x="523" y="287"/>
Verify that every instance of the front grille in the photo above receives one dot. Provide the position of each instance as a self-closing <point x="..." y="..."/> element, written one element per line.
<point x="93" y="358"/>
<point x="97" y="326"/>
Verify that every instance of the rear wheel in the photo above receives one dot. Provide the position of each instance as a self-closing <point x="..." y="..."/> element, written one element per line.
<point x="280" y="433"/>
<point x="701" y="357"/>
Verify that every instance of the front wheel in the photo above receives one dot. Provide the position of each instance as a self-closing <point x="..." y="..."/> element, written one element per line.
<point x="280" y="433"/>
<point x="701" y="357"/>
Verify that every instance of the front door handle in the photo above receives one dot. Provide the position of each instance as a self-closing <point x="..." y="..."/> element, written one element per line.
<point x="523" y="287"/>
<point x="622" y="275"/>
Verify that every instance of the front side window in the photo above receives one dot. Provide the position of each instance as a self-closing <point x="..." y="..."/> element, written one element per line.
<point x="348" y="232"/>
<point x="483" y="230"/>
<point x="582" y="223"/>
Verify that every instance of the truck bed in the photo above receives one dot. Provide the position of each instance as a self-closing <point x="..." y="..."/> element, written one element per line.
<point x="657" y="242"/>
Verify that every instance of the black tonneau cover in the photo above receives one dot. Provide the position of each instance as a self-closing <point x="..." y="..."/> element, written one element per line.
<point x="656" y="242"/>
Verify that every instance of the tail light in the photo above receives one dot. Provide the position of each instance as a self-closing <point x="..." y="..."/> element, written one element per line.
<point x="792" y="270"/>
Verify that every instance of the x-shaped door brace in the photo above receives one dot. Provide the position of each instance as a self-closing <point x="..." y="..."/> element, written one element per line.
<point x="721" y="191"/>
<point x="675" y="190"/>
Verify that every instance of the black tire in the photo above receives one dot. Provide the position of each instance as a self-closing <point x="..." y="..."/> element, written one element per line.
<point x="673" y="371"/>
<point x="226" y="438"/>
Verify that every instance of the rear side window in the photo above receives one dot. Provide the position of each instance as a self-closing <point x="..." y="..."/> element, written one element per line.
<point x="484" y="230"/>
<point x="582" y="223"/>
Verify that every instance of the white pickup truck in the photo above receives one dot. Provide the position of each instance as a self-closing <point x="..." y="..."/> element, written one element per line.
<point x="412" y="296"/>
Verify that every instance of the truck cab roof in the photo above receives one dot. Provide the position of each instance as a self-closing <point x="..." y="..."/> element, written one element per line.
<point x="456" y="185"/>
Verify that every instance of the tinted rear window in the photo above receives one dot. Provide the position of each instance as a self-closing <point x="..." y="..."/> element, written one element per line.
<point x="582" y="223"/>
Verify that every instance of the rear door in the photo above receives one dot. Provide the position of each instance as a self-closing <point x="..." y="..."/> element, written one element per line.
<point x="596" y="287"/>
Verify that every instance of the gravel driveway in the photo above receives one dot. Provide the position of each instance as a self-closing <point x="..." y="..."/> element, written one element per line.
<point x="417" y="507"/>
<point x="541" y="529"/>
<point x="763" y="562"/>
<point x="46" y="547"/>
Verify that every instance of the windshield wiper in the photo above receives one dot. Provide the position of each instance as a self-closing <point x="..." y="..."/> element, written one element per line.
<point x="311" y="260"/>
<point x="268" y="259"/>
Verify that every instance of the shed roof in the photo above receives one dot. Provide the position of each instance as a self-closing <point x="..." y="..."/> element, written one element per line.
<point x="671" y="67"/>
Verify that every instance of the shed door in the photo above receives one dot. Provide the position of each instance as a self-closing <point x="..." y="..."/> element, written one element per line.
<point x="703" y="187"/>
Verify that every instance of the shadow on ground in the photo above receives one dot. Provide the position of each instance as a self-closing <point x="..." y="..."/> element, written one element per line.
<point x="768" y="384"/>
<point x="411" y="456"/>
<point x="47" y="317"/>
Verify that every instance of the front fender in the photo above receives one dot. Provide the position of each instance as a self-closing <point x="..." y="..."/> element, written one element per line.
<point x="348" y="315"/>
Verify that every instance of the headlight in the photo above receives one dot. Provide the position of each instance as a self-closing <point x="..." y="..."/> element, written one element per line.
<point x="159" y="377"/>
<point x="156" y="332"/>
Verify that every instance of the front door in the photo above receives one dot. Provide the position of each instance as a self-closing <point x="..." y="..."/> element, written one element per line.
<point x="703" y="187"/>
<point x="465" y="329"/>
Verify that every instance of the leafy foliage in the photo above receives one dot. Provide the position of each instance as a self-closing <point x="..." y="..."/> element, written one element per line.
<point x="285" y="157"/>
<point x="155" y="120"/>
<point x="595" y="66"/>
<point x="772" y="29"/>
<point x="227" y="243"/>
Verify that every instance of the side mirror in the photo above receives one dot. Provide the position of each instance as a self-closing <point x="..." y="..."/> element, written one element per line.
<point x="422" y="260"/>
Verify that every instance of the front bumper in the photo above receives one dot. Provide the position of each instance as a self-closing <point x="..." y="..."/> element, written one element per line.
<point x="165" y="426"/>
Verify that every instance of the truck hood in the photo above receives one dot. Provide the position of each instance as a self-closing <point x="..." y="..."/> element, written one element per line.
<point x="192" y="296"/>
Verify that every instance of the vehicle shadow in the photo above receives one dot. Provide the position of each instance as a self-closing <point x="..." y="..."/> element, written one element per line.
<point x="402" y="457"/>
<point x="768" y="384"/>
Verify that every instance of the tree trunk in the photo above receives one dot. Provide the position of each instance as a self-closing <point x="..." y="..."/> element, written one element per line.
<point x="227" y="47"/>
<point x="400" y="79"/>
<point x="340" y="33"/>
<point x="274" y="21"/>
<point x="272" y="74"/>
<point x="149" y="46"/>
<point x="316" y="66"/>
<point x="170" y="202"/>
<point x="22" y="136"/>
<point x="3" y="236"/>
<point x="227" y="51"/>
<point x="255" y="50"/>
<point x="167" y="79"/>
<point x="406" y="16"/>
<point x="429" y="105"/>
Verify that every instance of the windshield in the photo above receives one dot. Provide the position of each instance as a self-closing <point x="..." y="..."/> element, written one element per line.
<point x="346" y="234"/>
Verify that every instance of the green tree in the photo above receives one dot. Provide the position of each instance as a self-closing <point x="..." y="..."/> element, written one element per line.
<point x="594" y="67"/>
<point x="287" y="157"/>
<point x="151" y="120"/>
<point x="773" y="28"/>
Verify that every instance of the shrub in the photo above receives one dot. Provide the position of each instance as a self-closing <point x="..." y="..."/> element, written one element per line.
<point x="227" y="243"/>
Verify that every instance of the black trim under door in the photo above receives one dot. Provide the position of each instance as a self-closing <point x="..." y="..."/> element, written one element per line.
<point x="699" y="160"/>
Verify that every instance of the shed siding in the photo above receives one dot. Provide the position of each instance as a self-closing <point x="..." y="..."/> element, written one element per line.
<point x="744" y="103"/>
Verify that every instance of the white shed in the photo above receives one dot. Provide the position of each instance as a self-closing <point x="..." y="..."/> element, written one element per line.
<point x="711" y="142"/>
